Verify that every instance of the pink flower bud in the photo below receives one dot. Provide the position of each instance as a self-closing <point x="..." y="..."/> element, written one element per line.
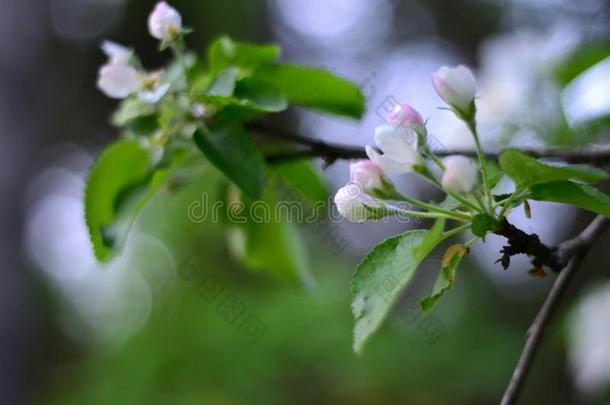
<point x="164" y="23"/>
<point x="457" y="86"/>
<point x="367" y="174"/>
<point x="399" y="151"/>
<point x="350" y="200"/>
<point x="407" y="116"/>
<point x="460" y="174"/>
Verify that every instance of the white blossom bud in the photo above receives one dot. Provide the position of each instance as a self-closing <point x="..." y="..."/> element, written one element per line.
<point x="367" y="174"/>
<point x="164" y="22"/>
<point x="118" y="80"/>
<point x="407" y="116"/>
<point x="350" y="200"/>
<point x="457" y="86"/>
<point x="460" y="174"/>
<point x="399" y="151"/>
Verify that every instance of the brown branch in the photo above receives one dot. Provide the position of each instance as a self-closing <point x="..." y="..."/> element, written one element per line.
<point x="598" y="155"/>
<point x="575" y="249"/>
<point x="520" y="242"/>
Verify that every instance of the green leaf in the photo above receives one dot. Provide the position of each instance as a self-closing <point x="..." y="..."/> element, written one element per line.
<point x="306" y="179"/>
<point x="525" y="170"/>
<point x="572" y="193"/>
<point x="143" y="125"/>
<point x="270" y="240"/>
<point x="483" y="223"/>
<point x="130" y="109"/>
<point x="251" y="98"/>
<point x="224" y="83"/>
<point x="449" y="264"/>
<point x="260" y="94"/>
<point x="494" y="174"/>
<point x="315" y="88"/>
<point x="581" y="60"/>
<point x="224" y="53"/>
<point x="121" y="167"/>
<point x="233" y="151"/>
<point x="382" y="275"/>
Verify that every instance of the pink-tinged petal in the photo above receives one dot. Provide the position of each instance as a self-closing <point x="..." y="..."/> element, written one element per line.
<point x="118" y="80"/>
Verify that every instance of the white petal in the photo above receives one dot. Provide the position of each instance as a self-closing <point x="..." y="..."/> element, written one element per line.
<point x="460" y="174"/>
<point x="152" y="96"/>
<point x="349" y="201"/>
<point x="116" y="53"/>
<point x="118" y="80"/>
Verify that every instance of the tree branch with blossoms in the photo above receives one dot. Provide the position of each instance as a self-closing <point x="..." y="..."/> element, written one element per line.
<point x="201" y="111"/>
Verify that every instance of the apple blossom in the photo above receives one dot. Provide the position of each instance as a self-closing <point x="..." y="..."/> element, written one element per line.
<point x="460" y="175"/>
<point x="351" y="200"/>
<point x="152" y="88"/>
<point x="407" y="116"/>
<point x="367" y="174"/>
<point x="164" y="22"/>
<point x="118" y="80"/>
<point x="457" y="86"/>
<point x="399" y="153"/>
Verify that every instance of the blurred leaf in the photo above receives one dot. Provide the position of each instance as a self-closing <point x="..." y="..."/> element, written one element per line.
<point x="525" y="170"/>
<point x="304" y="177"/>
<point x="143" y="125"/>
<point x="483" y="223"/>
<point x="315" y="88"/>
<point x="224" y="53"/>
<point x="494" y="174"/>
<point x="121" y="166"/>
<point x="261" y="94"/>
<point x="572" y="193"/>
<point x="382" y="275"/>
<point x="251" y="98"/>
<point x="224" y="83"/>
<point x="233" y="151"/>
<point x="449" y="264"/>
<point x="130" y="109"/>
<point x="581" y="60"/>
<point x="271" y="240"/>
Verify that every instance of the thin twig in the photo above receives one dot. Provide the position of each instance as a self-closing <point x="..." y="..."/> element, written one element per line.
<point x="597" y="155"/>
<point x="577" y="248"/>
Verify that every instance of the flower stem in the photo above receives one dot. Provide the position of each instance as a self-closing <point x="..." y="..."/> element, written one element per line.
<point x="506" y="204"/>
<point x="431" y="215"/>
<point x="456" y="230"/>
<point x="472" y="126"/>
<point x="430" y="207"/>
<point x="459" y="198"/>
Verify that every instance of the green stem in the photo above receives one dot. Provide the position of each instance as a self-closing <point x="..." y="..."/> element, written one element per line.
<point x="455" y="231"/>
<point x="430" y="207"/>
<point x="471" y="241"/>
<point x="430" y="177"/>
<point x="428" y="153"/>
<point x="420" y="214"/>
<point x="509" y="201"/>
<point x="481" y="157"/>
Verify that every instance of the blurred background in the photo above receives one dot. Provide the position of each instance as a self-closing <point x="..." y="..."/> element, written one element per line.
<point x="152" y="326"/>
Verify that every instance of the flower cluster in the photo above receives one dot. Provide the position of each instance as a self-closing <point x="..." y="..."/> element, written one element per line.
<point x="121" y="76"/>
<point x="400" y="147"/>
